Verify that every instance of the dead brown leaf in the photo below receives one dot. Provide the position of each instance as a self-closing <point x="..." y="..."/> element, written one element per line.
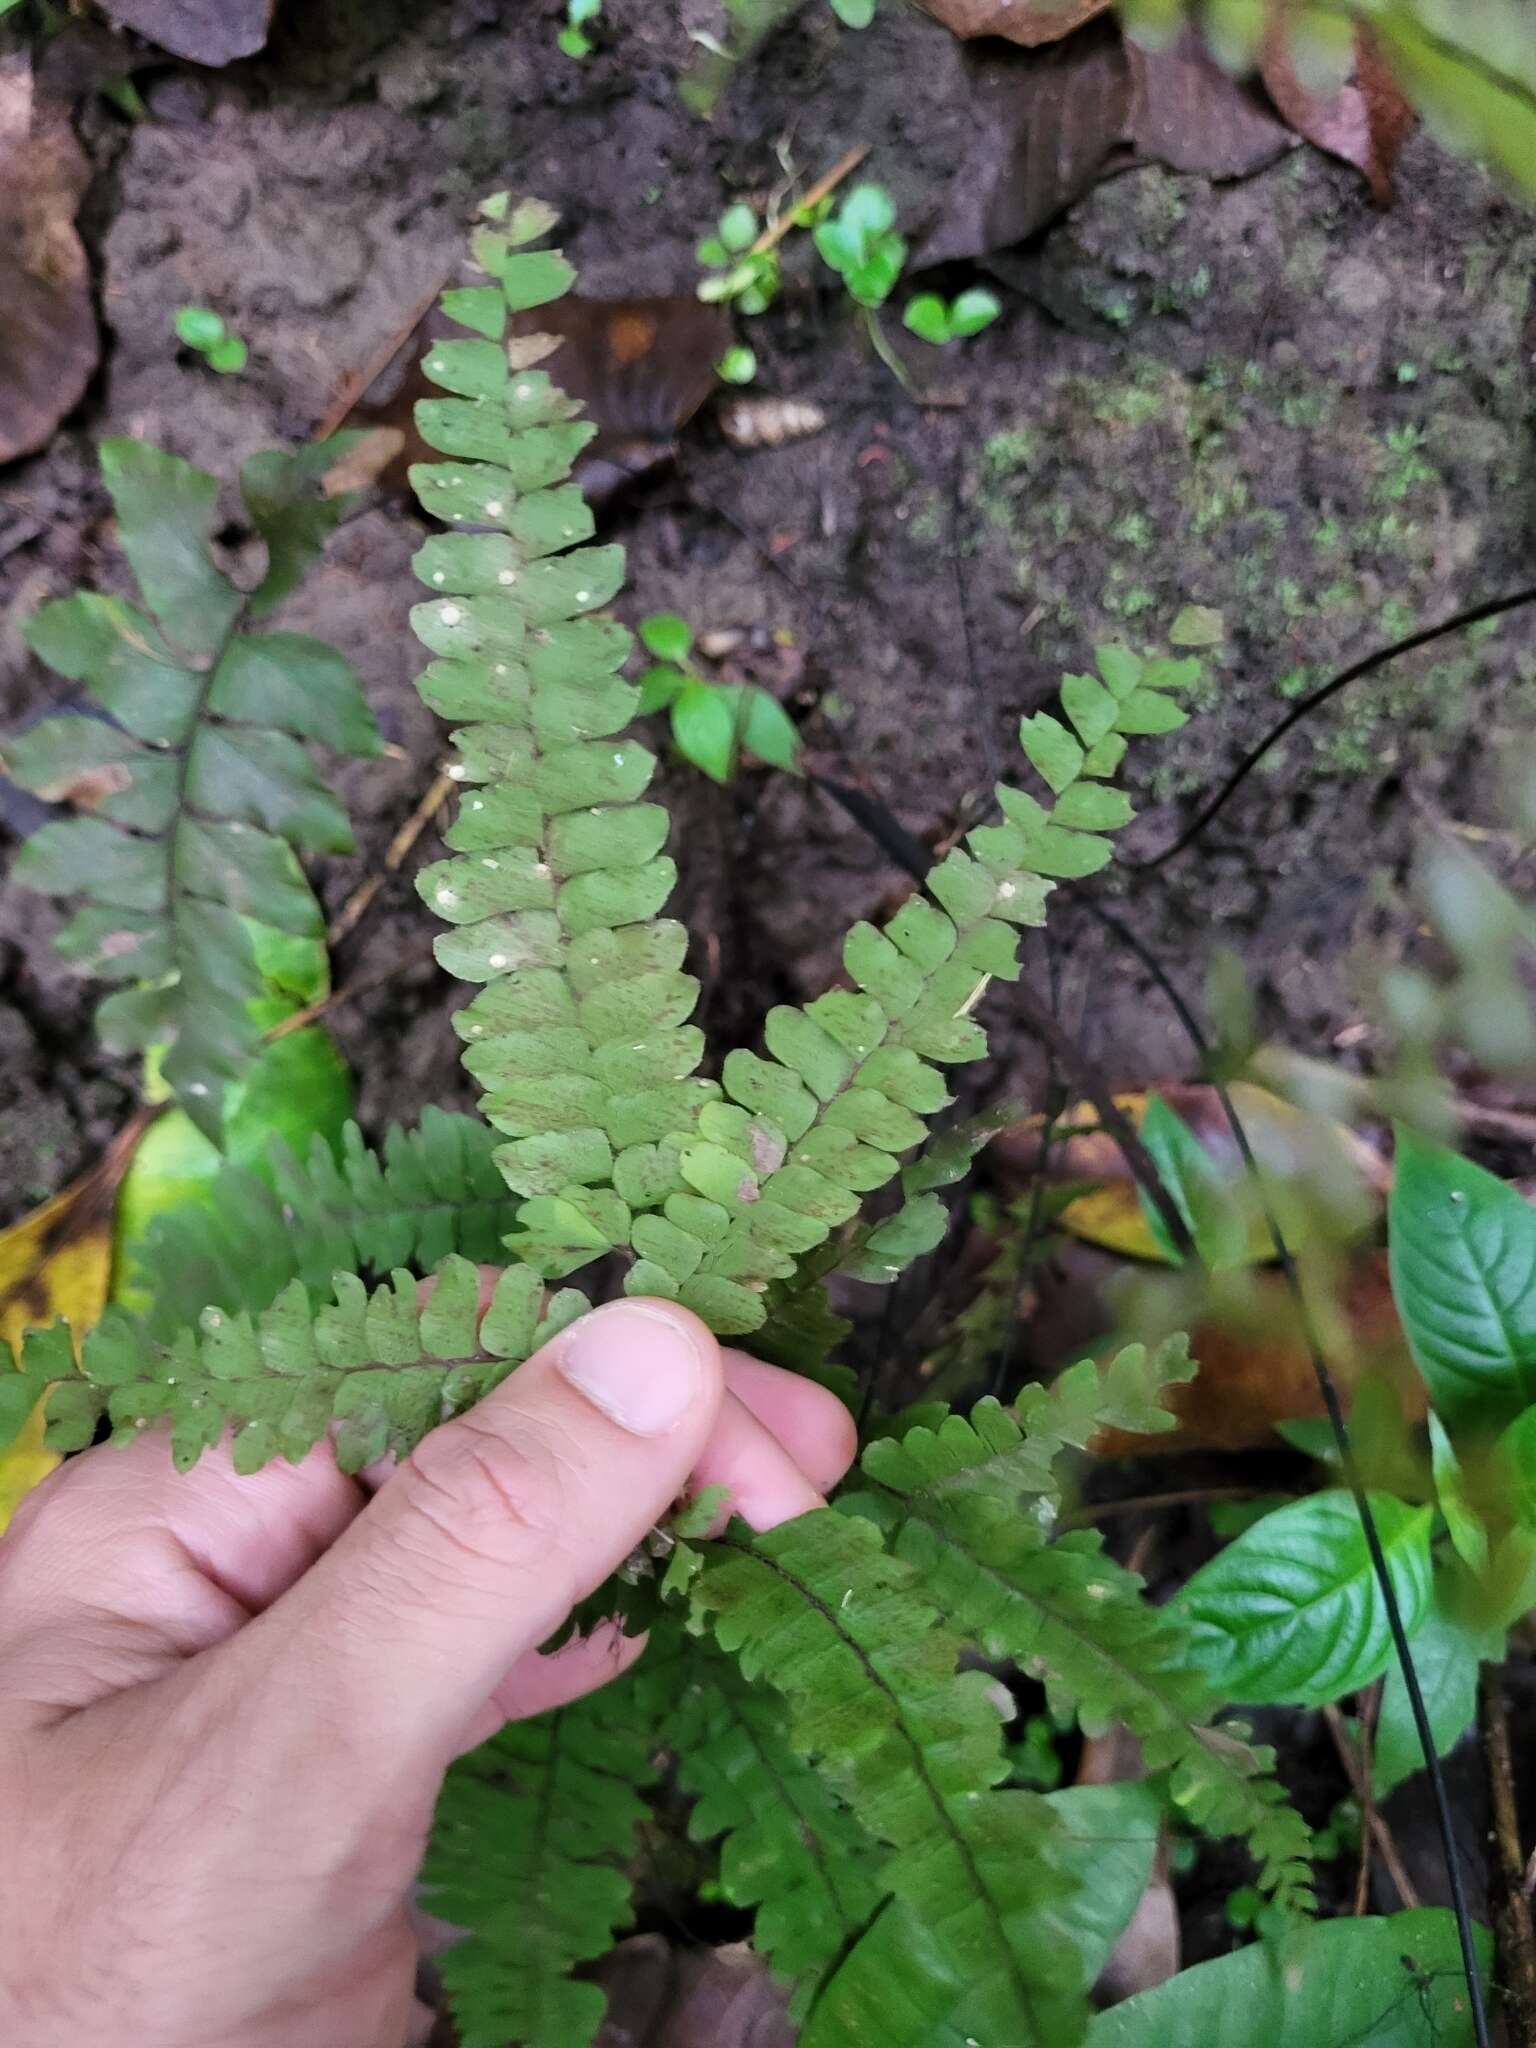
<point x="1191" y="115"/>
<point x="211" y="32"/>
<point x="663" y="1997"/>
<point x="641" y="368"/>
<point x="1030" y="22"/>
<point x="1256" y="1366"/>
<point x="1366" y="122"/>
<point x="1044" y="126"/>
<point x="49" y="344"/>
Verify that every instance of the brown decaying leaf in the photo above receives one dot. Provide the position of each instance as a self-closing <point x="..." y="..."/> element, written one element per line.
<point x="1045" y="125"/>
<point x="1049" y="123"/>
<point x="1191" y="115"/>
<point x="1366" y="122"/>
<point x="210" y="32"/>
<point x="1030" y="22"/>
<point x="1256" y="1367"/>
<point x="49" y="344"/>
<point x="1291" y="1143"/>
<point x="663" y="1997"/>
<point x="641" y="368"/>
<point x="58" y="1262"/>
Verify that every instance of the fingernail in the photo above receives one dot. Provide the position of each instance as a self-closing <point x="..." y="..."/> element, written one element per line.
<point x="640" y="1365"/>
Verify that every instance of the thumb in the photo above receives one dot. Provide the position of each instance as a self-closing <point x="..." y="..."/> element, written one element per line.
<point x="477" y="1548"/>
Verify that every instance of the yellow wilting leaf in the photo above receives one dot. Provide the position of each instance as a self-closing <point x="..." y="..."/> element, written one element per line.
<point x="1316" y="1170"/>
<point x="58" y="1262"/>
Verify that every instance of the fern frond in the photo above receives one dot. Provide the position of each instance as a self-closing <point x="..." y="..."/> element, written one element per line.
<point x="425" y="1193"/>
<point x="580" y="1038"/>
<point x="380" y="1369"/>
<point x="851" y="1078"/>
<point x="969" y="1507"/>
<point x="529" y="1850"/>
<point x="208" y="791"/>
<point x="790" y="1851"/>
<point x="912" y="1745"/>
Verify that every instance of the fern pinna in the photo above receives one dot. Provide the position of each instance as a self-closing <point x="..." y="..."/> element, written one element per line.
<point x="851" y="1768"/>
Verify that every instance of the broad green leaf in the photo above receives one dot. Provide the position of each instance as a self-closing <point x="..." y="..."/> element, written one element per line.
<point x="1463" y="1259"/>
<point x="1446" y="1656"/>
<point x="1291" y="1614"/>
<point x="1466" y="1528"/>
<point x="767" y="729"/>
<point x="1371" y="1983"/>
<point x="299" y="684"/>
<point x="1107" y="1845"/>
<point x="666" y="636"/>
<point x="972" y="310"/>
<point x="1213" y="1208"/>
<point x="704" y="727"/>
<point x="165" y="518"/>
<point x="927" y="318"/>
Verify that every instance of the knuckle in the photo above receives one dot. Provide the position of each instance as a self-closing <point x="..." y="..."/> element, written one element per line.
<point x="496" y="1498"/>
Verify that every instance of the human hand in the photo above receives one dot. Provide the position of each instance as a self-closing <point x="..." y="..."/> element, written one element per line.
<point x="226" y="1704"/>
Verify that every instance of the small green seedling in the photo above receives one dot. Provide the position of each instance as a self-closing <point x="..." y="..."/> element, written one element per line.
<point x="737" y="366"/>
<point x="201" y="329"/>
<point x="861" y="244"/>
<point x="747" y="276"/>
<point x="573" y="38"/>
<point x="712" y="723"/>
<point x="854" y="13"/>
<point x="932" y="318"/>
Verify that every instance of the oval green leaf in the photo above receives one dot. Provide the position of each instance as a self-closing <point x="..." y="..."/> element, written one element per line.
<point x="1463" y="1256"/>
<point x="1291" y="1613"/>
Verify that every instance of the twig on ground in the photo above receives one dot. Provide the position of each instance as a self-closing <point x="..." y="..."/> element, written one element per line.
<point x="775" y="232"/>
<point x="355" y="382"/>
<point x="1157" y="1503"/>
<point x="351" y="912"/>
<point x="312" y="1012"/>
<point x="1370" y="1816"/>
<point x="1513" y="1929"/>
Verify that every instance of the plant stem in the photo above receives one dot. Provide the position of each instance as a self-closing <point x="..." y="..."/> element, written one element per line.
<point x="775" y="232"/>
<point x="1359" y="1784"/>
<point x="884" y="351"/>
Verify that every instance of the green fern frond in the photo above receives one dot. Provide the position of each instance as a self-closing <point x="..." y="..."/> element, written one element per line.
<point x="970" y="1506"/>
<point x="380" y="1369"/>
<point x="206" y="790"/>
<point x="912" y="1746"/>
<point x="790" y="1852"/>
<point x="851" y="1078"/>
<point x="425" y="1193"/>
<point x="581" y="1037"/>
<point x="529" y="1851"/>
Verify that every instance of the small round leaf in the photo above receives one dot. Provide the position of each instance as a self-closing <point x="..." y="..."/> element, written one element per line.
<point x="666" y="636"/>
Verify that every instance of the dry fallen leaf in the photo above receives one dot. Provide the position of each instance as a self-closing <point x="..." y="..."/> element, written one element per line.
<point x="211" y="32"/>
<point x="1191" y="115"/>
<point x="1030" y="22"/>
<point x="641" y="368"/>
<point x="1366" y="122"/>
<point x="663" y="1997"/>
<point x="58" y="1262"/>
<point x="1043" y="126"/>
<point x="49" y="344"/>
<point x="1256" y="1366"/>
<point x="1294" y="1145"/>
